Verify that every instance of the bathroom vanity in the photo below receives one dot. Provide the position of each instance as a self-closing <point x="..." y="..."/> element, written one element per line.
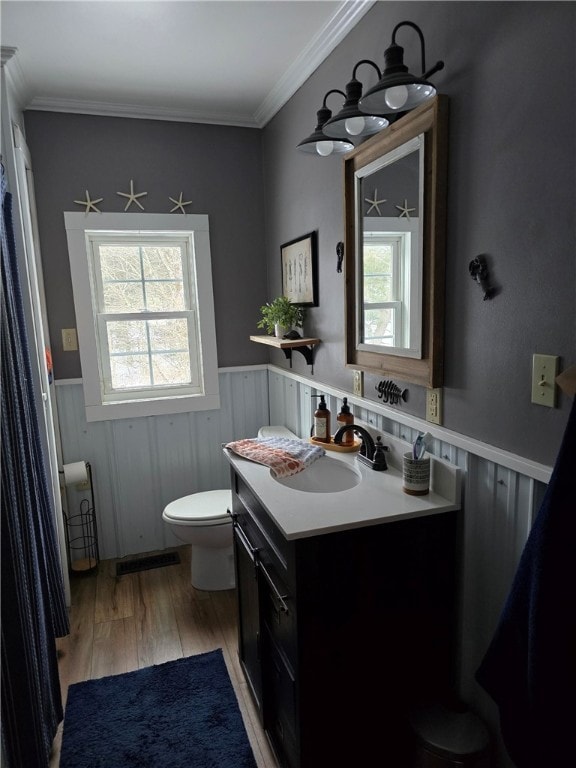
<point x="346" y="609"/>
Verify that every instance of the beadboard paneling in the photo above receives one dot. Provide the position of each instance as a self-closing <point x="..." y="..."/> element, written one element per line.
<point x="140" y="465"/>
<point x="499" y="503"/>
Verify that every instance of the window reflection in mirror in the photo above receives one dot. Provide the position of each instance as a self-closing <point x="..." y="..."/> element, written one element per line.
<point x="395" y="209"/>
<point x="390" y="264"/>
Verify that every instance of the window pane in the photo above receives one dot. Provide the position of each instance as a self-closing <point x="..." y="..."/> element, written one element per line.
<point x="120" y="262"/>
<point x="378" y="266"/>
<point x="123" y="297"/>
<point x="379" y="326"/>
<point x="164" y="296"/>
<point x="162" y="263"/>
<point x="127" y="336"/>
<point x="378" y="258"/>
<point x="168" y="335"/>
<point x="171" y="368"/>
<point x="130" y="371"/>
<point x="377" y="289"/>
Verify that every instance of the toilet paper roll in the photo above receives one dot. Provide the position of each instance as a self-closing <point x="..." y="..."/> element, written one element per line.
<point x="75" y="472"/>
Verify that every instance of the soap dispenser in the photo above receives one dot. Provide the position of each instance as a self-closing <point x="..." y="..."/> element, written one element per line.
<point x="345" y="417"/>
<point x="322" y="421"/>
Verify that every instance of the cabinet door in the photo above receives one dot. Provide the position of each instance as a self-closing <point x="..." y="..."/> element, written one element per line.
<point x="248" y="613"/>
<point x="280" y="718"/>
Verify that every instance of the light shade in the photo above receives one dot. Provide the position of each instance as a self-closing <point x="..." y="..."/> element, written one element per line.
<point x="320" y="144"/>
<point x="350" y="121"/>
<point x="397" y="89"/>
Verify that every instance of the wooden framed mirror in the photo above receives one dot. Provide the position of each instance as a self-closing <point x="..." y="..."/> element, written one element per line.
<point x="395" y="231"/>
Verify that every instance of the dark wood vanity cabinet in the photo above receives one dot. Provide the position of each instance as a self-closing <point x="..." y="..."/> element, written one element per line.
<point x="341" y="634"/>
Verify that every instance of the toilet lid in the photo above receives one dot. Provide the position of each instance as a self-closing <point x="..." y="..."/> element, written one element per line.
<point x="209" y="506"/>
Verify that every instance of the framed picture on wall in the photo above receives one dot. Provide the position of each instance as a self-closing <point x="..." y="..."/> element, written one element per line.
<point x="299" y="261"/>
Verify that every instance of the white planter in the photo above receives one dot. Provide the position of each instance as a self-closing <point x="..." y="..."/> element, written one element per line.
<point x="280" y="330"/>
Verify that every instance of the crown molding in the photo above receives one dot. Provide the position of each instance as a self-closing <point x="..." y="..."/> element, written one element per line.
<point x="319" y="48"/>
<point x="107" y="109"/>
<point x="19" y="89"/>
<point x="6" y="53"/>
<point x="334" y="31"/>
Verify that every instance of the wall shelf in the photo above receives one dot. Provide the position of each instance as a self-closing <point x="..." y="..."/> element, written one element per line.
<point x="305" y="346"/>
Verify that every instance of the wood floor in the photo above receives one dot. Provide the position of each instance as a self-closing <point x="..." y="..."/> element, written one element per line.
<point x="120" y="624"/>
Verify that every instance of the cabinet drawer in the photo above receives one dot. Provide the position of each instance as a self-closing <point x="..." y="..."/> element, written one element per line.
<point x="278" y="545"/>
<point x="280" y="696"/>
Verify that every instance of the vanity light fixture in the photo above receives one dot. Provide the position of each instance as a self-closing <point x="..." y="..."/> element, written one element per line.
<point x="320" y="144"/>
<point x="350" y="121"/>
<point x="398" y="90"/>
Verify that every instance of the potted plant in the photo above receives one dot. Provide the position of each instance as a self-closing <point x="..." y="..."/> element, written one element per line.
<point x="280" y="316"/>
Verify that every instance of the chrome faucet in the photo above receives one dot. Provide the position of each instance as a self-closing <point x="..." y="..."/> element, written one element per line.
<point x="370" y="453"/>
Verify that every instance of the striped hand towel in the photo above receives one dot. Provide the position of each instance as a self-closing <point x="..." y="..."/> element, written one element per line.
<point x="283" y="455"/>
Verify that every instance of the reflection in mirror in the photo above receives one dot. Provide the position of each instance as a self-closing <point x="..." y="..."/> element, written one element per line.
<point x="395" y="231"/>
<point x="389" y="264"/>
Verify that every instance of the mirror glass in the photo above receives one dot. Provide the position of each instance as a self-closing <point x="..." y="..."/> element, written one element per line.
<point x="389" y="263"/>
<point x="395" y="230"/>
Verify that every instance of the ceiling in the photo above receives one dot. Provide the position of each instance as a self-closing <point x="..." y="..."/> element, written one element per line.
<point x="231" y="62"/>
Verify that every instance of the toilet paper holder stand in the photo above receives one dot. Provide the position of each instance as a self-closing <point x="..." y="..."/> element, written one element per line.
<point x="82" y="532"/>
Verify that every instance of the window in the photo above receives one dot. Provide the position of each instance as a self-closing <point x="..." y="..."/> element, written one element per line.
<point x="144" y="309"/>
<point x="381" y="286"/>
<point x="390" y="285"/>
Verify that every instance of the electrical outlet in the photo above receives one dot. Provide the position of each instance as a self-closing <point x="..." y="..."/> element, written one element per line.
<point x="359" y="383"/>
<point x="434" y="406"/>
<point x="69" y="340"/>
<point x="544" y="371"/>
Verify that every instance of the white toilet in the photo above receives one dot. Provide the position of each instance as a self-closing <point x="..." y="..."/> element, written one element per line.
<point x="277" y="432"/>
<point x="202" y="520"/>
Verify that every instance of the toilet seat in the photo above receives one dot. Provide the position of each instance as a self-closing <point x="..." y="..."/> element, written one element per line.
<point x="202" y="509"/>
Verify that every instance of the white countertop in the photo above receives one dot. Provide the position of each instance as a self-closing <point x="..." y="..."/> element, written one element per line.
<point x="378" y="497"/>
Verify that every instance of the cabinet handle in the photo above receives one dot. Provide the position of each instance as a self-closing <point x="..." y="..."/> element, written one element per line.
<point x="245" y="541"/>
<point x="280" y="598"/>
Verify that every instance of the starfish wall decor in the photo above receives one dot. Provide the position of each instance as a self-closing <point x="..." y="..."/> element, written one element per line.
<point x="90" y="204"/>
<point x="179" y="204"/>
<point x="132" y="198"/>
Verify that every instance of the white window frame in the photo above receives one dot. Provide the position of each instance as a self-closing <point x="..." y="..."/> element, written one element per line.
<point x="408" y="290"/>
<point x="101" y="404"/>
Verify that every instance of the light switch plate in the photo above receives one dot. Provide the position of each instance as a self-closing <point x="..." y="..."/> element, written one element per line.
<point x="434" y="405"/>
<point x="69" y="340"/>
<point x="359" y="383"/>
<point x="544" y="372"/>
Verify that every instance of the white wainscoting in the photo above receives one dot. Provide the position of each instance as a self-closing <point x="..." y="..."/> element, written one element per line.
<point x="140" y="465"/>
<point x="501" y="494"/>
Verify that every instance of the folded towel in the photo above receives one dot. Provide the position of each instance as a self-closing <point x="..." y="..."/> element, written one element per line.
<point x="283" y="455"/>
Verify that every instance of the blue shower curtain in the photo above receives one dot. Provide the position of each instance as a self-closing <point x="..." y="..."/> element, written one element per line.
<point x="33" y="605"/>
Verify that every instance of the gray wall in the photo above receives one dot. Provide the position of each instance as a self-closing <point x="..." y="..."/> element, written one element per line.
<point x="217" y="167"/>
<point x="509" y="75"/>
<point x="512" y="164"/>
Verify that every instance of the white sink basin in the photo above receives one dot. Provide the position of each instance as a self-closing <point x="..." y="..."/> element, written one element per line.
<point x="325" y="475"/>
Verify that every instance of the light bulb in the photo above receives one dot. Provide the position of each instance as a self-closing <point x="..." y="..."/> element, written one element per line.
<point x="396" y="97"/>
<point x="324" y="148"/>
<point x="355" y="125"/>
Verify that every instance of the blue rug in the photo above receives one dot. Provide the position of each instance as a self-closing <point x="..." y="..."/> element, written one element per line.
<point x="181" y="714"/>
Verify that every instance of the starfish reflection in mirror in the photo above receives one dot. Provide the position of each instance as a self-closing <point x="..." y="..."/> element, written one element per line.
<point x="405" y="210"/>
<point x="375" y="203"/>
